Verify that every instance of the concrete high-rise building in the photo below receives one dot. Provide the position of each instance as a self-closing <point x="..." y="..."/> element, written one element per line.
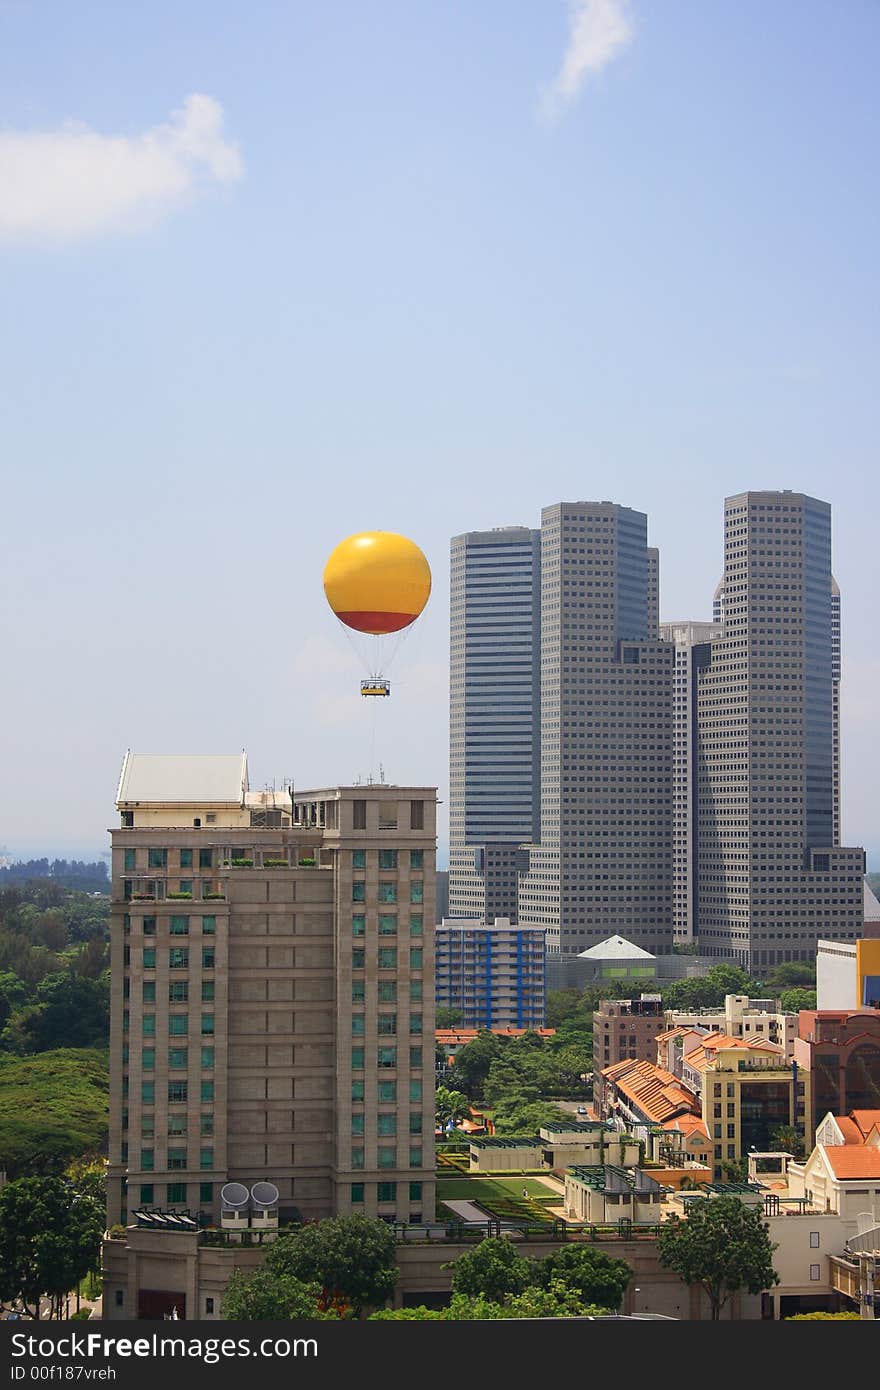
<point x="492" y="974"/>
<point x="690" y="642"/>
<point x="771" y="877"/>
<point x="494" y="749"/>
<point x="272" y="1014"/>
<point x="603" y="864"/>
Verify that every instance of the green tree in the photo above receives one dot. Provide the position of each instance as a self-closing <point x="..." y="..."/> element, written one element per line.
<point x="352" y="1258"/>
<point x="53" y="1109"/>
<point x="787" y="1138"/>
<point x="450" y="1105"/>
<point x="50" y="1239"/>
<point x="561" y="1006"/>
<point x="447" y="1018"/>
<point x="13" y="994"/>
<point x="595" y="1277"/>
<point x="793" y="1000"/>
<point x="472" y="1063"/>
<point x="269" y="1296"/>
<point x="791" y="974"/>
<point x="493" y="1268"/>
<point x="88" y="1178"/>
<point x="68" y="1011"/>
<point x="723" y="1245"/>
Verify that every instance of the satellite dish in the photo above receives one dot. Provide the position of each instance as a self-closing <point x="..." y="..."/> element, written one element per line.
<point x="264" y="1194"/>
<point x="234" y="1194"/>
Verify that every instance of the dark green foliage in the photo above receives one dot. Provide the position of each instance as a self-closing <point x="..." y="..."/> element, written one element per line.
<point x="722" y="1245"/>
<point x="791" y="974"/>
<point x="593" y="1275"/>
<point x="53" y="1109"/>
<point x="67" y="1011"/>
<point x="267" y="1296"/>
<point x="494" y="1268"/>
<point x="793" y="1000"/>
<point x="49" y="1238"/>
<point x="447" y="1018"/>
<point x="352" y="1259"/>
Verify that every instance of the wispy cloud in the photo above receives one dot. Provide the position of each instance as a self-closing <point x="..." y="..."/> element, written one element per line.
<point x="598" y="30"/>
<point x="73" y="183"/>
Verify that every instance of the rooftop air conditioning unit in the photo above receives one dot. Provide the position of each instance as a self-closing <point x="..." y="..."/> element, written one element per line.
<point x="234" y="1199"/>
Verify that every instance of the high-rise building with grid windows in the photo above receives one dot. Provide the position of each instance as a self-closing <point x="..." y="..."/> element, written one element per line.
<point x="691" y="651"/>
<point x="494" y="717"/>
<point x="272" y="1013"/>
<point x="603" y="863"/>
<point x="772" y="877"/>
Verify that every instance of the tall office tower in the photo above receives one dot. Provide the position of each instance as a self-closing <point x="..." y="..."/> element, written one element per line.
<point x="272" y="997"/>
<point x="771" y="880"/>
<point x="603" y="865"/>
<point x="494" y="751"/>
<point x="835" y="709"/>
<point x="689" y="640"/>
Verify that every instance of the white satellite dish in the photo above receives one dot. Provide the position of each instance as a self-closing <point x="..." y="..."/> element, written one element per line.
<point x="264" y="1194"/>
<point x="234" y="1194"/>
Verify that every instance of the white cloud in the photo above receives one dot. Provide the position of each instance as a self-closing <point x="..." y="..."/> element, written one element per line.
<point x="72" y="183"/>
<point x="598" y="31"/>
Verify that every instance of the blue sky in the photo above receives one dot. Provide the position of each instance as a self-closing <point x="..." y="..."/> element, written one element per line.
<point x="278" y="272"/>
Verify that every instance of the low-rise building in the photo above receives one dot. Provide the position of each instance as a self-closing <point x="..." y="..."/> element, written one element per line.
<point x="742" y="1017"/>
<point x="607" y="1193"/>
<point x="840" y="1050"/>
<point x="627" y="1028"/>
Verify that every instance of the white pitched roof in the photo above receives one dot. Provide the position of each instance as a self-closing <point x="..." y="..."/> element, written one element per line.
<point x="196" y="779"/>
<point x="615" y="948"/>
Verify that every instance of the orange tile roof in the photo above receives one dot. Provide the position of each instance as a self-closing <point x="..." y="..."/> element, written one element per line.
<point x="849" y="1129"/>
<point x="656" y="1092"/>
<point x="852" y="1160"/>
<point x="688" y="1124"/>
<point x="866" y="1120"/>
<point x="466" y="1035"/>
<point x="704" y="1053"/>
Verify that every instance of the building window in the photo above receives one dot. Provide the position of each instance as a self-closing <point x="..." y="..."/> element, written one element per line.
<point x="357" y="1192"/>
<point x="146" y="1193"/>
<point x="358" y="991"/>
<point x="119" y="1296"/>
<point x="206" y="1124"/>
<point x="206" y="1194"/>
<point x="357" y="1059"/>
<point x="359" y="924"/>
<point x="415" y="1192"/>
<point x="207" y="1025"/>
<point x="186" y="858"/>
<point x="415" y="957"/>
<point x="387" y="858"/>
<point x="387" y="1092"/>
<point x="416" y="858"/>
<point x="386" y="1123"/>
<point x="206" y="1158"/>
<point x="177" y="1160"/>
<point x="358" y="958"/>
<point x="416" y="891"/>
<point x="814" y="1240"/>
<point x="387" y="892"/>
<point x="415" y="1057"/>
<point x="149" y="958"/>
<point x="178" y="991"/>
<point x="415" y="1023"/>
<point x="386" y="1156"/>
<point x="386" y="1057"/>
<point x="177" y="1092"/>
<point x="357" y="1158"/>
<point x="208" y="1058"/>
<point x="148" y="991"/>
<point x="178" y="1025"/>
<point x="357" y="1091"/>
<point x="129" y="859"/>
<point x="415" y="924"/>
<point x="148" y="1092"/>
<point x="815" y="1272"/>
<point x="206" y="858"/>
<point x="148" y="1025"/>
<point x="357" y="1125"/>
<point x="178" y="1058"/>
<point x="148" y="1058"/>
<point x="415" y="1122"/>
<point x="207" y="1091"/>
<point x="157" y="858"/>
<point x="387" y="958"/>
<point x="387" y="1027"/>
<point x="388" y="924"/>
<point x="147" y="1158"/>
<point x="178" y="926"/>
<point x="415" y="1089"/>
<point x="415" y="1156"/>
<point x="176" y="1191"/>
<point x="415" y="991"/>
<point x="359" y="891"/>
<point x="358" y="1025"/>
<point x="209" y="925"/>
<point x="359" y="815"/>
<point x="178" y="957"/>
<point x="387" y="991"/>
<point x="417" y="815"/>
<point x="207" y="957"/>
<point x="207" y="991"/>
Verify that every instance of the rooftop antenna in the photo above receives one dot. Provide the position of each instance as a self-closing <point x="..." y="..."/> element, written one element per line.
<point x="381" y="775"/>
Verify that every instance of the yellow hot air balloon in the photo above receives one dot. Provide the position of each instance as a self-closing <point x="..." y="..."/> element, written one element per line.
<point x="377" y="582"/>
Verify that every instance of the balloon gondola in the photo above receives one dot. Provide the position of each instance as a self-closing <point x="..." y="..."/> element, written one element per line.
<point x="377" y="583"/>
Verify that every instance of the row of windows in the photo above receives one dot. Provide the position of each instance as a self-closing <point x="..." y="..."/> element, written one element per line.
<point x="386" y="991"/>
<point x="386" y="1091"/>
<point x="386" y="1025"/>
<point x="387" y="891"/>
<point x="386" y="958"/>
<point x="386" y="1157"/>
<point x="178" y="1025"/>
<point x="148" y="1091"/>
<point x="386" y="1123"/>
<point x="385" y="1192"/>
<point x="178" y="991"/>
<point x="177" y="925"/>
<point x="177" y="1124"/>
<point x="177" y="1158"/>
<point x="176" y="1192"/>
<point x="387" y="858"/>
<point x="158" y="858"/>
<point x="386" y="1058"/>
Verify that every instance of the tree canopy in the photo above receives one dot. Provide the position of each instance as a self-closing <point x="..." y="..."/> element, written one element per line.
<point x="53" y="1109"/>
<point x="269" y="1296"/>
<point x="351" y="1258"/>
<point x="596" y="1278"/>
<point x="50" y="1239"/>
<point x="494" y="1268"/>
<point x="723" y="1245"/>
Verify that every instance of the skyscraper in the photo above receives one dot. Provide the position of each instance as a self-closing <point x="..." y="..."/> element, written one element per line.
<point x="603" y="864"/>
<point x="689" y="640"/>
<point x="772" y="877"/>
<point x="494" y="748"/>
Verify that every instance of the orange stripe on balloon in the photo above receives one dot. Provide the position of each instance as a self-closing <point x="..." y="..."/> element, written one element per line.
<point x="376" y="623"/>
